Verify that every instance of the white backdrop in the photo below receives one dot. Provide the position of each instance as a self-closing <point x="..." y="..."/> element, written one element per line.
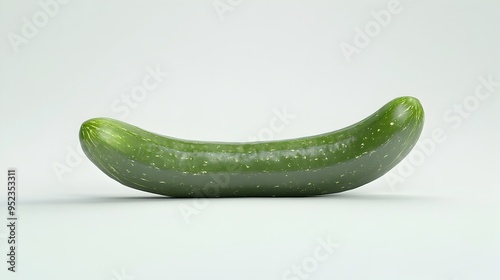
<point x="225" y="70"/>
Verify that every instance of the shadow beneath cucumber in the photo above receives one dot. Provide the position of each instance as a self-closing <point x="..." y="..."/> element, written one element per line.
<point x="354" y="197"/>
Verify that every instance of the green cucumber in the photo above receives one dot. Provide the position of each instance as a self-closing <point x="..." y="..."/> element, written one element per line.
<point x="327" y="163"/>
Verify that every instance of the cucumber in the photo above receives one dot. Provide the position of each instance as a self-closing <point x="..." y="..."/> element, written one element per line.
<point x="322" y="164"/>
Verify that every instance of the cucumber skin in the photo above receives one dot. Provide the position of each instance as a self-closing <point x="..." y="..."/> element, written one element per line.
<point x="322" y="164"/>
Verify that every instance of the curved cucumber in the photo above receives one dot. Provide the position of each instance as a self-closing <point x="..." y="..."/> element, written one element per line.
<point x="327" y="163"/>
